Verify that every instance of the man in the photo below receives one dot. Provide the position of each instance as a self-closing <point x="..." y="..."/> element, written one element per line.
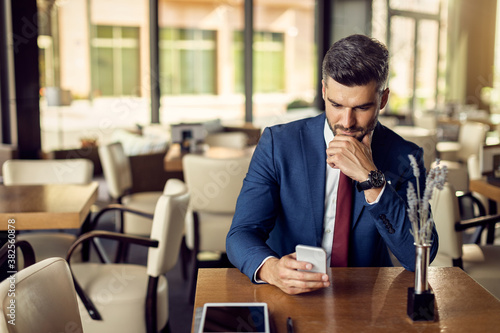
<point x="289" y="195"/>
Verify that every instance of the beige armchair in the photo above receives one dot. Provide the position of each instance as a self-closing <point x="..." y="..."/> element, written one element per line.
<point x="471" y="137"/>
<point x="214" y="185"/>
<point x="47" y="244"/>
<point x="454" y="155"/>
<point x="37" y="172"/>
<point x="45" y="299"/>
<point x="118" y="175"/>
<point x="133" y="298"/>
<point x="422" y="137"/>
<point x="481" y="262"/>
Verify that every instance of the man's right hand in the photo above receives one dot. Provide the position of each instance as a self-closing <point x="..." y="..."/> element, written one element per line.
<point x="284" y="273"/>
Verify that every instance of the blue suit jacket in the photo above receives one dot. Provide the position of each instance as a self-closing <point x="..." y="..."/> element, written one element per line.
<point x="281" y="203"/>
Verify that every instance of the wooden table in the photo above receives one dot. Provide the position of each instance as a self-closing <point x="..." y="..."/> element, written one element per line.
<point x="489" y="190"/>
<point x="361" y="300"/>
<point x="52" y="206"/>
<point x="173" y="159"/>
<point x="492" y="192"/>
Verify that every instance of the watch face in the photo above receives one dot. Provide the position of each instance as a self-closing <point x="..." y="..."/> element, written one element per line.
<point x="377" y="178"/>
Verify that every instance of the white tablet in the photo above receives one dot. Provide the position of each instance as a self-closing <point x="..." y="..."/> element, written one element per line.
<point x="234" y="317"/>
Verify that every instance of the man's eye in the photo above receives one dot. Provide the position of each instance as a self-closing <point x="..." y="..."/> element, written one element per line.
<point x="363" y="108"/>
<point x="335" y="105"/>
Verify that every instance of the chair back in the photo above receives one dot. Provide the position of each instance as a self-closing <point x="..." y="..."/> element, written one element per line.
<point x="35" y="172"/>
<point x="214" y="183"/>
<point x="422" y="137"/>
<point x="45" y="300"/>
<point x="472" y="136"/>
<point x="446" y="213"/>
<point x="116" y="168"/>
<point x="168" y="227"/>
<point x="237" y="140"/>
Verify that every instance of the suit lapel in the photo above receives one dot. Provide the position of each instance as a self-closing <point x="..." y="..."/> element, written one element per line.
<point x="314" y="159"/>
<point x="379" y="150"/>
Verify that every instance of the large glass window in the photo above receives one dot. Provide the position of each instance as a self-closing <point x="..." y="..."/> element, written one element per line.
<point x="269" y="62"/>
<point x="416" y="41"/>
<point x="187" y="61"/>
<point x="115" y="61"/>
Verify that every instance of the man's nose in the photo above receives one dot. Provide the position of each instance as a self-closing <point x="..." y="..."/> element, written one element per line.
<point x="348" y="120"/>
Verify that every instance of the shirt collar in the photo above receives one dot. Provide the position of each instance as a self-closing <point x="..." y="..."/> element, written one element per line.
<point x="328" y="133"/>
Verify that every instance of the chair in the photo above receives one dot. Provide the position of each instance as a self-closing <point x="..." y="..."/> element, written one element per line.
<point x="118" y="175"/>
<point x="237" y="140"/>
<point x="45" y="299"/>
<point x="481" y="262"/>
<point x="422" y="137"/>
<point x="454" y="155"/>
<point x="214" y="185"/>
<point x="39" y="172"/>
<point x="426" y="119"/>
<point x="471" y="137"/>
<point x="133" y="298"/>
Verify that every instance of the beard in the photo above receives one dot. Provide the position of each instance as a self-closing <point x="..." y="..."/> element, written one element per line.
<point x="356" y="132"/>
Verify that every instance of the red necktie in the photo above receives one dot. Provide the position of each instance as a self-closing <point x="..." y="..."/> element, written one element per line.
<point x="340" y="247"/>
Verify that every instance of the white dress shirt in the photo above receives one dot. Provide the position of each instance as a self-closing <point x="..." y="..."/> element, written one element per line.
<point x="331" y="188"/>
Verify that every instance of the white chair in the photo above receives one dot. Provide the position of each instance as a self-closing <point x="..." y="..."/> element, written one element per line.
<point x="45" y="299"/>
<point x="214" y="185"/>
<point x="134" y="298"/>
<point x="422" y="137"/>
<point x="482" y="263"/>
<point x="118" y="175"/>
<point x="426" y="119"/>
<point x="454" y="155"/>
<point x="38" y="172"/>
<point x="474" y="172"/>
<point x="238" y="140"/>
<point x="471" y="137"/>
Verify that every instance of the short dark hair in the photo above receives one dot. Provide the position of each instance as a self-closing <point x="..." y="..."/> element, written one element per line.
<point x="357" y="60"/>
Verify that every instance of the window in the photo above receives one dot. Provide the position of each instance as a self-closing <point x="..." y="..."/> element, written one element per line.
<point x="269" y="62"/>
<point x="416" y="41"/>
<point x="187" y="61"/>
<point x="115" y="61"/>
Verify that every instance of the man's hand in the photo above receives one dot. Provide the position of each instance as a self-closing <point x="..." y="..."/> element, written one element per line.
<point x="352" y="157"/>
<point x="283" y="273"/>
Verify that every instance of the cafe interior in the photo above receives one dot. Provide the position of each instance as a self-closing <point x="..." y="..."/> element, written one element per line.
<point x="128" y="127"/>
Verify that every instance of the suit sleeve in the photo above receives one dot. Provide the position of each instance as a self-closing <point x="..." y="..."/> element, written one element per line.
<point x="256" y="209"/>
<point x="391" y="217"/>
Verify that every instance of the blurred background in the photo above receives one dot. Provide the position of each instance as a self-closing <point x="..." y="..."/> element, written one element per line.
<point x="77" y="70"/>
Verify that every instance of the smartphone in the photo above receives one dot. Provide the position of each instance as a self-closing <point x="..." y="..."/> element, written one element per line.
<point x="314" y="255"/>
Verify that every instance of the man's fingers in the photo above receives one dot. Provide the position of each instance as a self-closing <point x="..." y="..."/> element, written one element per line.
<point x="367" y="139"/>
<point x="294" y="278"/>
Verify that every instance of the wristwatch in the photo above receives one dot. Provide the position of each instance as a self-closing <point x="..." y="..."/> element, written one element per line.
<point x="376" y="179"/>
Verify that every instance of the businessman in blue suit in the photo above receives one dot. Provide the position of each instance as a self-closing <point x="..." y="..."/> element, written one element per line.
<point x="290" y="192"/>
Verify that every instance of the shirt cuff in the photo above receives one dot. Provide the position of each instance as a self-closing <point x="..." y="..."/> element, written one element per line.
<point x="379" y="196"/>
<point x="257" y="270"/>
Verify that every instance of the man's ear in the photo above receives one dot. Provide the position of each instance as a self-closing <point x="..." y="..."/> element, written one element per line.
<point x="385" y="98"/>
<point x="323" y="89"/>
